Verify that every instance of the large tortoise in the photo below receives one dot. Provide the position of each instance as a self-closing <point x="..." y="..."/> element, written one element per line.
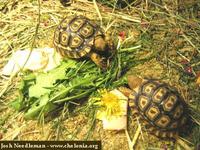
<point x="79" y="37"/>
<point x="161" y="107"/>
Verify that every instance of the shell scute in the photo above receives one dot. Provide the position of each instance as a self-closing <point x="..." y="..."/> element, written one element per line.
<point x="152" y="112"/>
<point x="170" y="102"/>
<point x="148" y="88"/>
<point x="178" y="112"/>
<point x="143" y="102"/>
<point x="76" y="41"/>
<point x="163" y="121"/>
<point x="64" y="38"/>
<point x="77" y="24"/>
<point x="86" y="31"/>
<point x="159" y="94"/>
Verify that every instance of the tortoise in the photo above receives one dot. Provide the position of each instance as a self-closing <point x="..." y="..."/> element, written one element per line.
<point x="160" y="106"/>
<point x="79" y="37"/>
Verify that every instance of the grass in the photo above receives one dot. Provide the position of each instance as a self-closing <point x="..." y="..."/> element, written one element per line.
<point x="167" y="37"/>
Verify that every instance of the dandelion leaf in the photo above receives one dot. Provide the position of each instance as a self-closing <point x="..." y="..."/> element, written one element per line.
<point x="45" y="81"/>
<point x="41" y="106"/>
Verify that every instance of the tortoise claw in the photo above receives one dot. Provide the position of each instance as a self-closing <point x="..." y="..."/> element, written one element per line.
<point x="103" y="63"/>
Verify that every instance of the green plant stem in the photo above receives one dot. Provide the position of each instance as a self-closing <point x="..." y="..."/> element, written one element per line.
<point x="84" y="94"/>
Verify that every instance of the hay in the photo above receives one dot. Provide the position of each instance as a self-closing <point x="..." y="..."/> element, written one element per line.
<point x="166" y="36"/>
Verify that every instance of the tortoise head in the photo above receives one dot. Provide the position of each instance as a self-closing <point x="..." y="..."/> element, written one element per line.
<point x="103" y="43"/>
<point x="100" y="43"/>
<point x="134" y="81"/>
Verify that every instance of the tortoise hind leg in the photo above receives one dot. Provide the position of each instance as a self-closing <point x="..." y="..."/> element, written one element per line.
<point x="98" y="60"/>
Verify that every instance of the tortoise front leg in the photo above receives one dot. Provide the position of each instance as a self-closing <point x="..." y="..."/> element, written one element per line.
<point x="98" y="60"/>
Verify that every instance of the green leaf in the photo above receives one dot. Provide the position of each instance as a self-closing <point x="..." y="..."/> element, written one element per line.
<point x="42" y="104"/>
<point x="74" y="84"/>
<point x="45" y="81"/>
<point x="40" y="88"/>
<point x="16" y="104"/>
<point x="29" y="77"/>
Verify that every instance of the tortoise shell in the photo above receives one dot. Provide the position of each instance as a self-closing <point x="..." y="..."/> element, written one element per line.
<point x="74" y="37"/>
<point x="161" y="107"/>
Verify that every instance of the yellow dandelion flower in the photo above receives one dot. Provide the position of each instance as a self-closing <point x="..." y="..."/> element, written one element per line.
<point x="110" y="103"/>
<point x="113" y="112"/>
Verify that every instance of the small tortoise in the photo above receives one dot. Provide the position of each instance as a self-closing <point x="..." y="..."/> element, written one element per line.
<point x="79" y="37"/>
<point x="160" y="106"/>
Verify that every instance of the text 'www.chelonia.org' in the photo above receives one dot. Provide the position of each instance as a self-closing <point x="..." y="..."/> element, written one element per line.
<point x="48" y="145"/>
